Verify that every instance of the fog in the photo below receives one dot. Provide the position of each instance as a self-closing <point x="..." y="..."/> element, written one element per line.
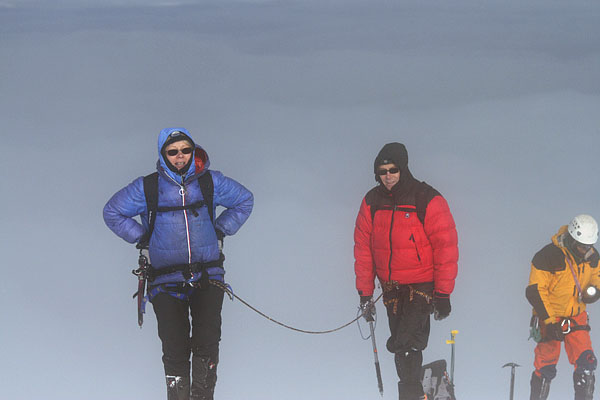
<point x="496" y="102"/>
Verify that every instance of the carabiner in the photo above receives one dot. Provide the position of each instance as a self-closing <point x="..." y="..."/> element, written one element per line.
<point x="562" y="325"/>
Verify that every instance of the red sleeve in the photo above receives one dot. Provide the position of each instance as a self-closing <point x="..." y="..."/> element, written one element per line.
<point x="363" y="264"/>
<point x="441" y="231"/>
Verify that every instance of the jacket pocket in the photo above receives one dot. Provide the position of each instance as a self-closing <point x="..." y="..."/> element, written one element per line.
<point x="412" y="239"/>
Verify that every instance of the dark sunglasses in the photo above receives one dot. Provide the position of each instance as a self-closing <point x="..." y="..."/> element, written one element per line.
<point x="174" y="152"/>
<point x="383" y="171"/>
<point x="583" y="245"/>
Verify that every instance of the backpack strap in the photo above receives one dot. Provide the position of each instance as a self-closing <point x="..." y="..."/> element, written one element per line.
<point x="207" y="187"/>
<point x="151" y="193"/>
<point x="421" y="202"/>
<point x="373" y="209"/>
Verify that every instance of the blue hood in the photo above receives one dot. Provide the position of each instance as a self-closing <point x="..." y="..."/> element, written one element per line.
<point x="162" y="138"/>
<point x="180" y="237"/>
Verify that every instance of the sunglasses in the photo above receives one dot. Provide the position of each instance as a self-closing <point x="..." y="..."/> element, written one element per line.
<point x="174" y="152"/>
<point x="383" y="171"/>
<point x="583" y="245"/>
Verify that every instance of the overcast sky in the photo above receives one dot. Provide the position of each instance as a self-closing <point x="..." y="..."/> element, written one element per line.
<point x="497" y="102"/>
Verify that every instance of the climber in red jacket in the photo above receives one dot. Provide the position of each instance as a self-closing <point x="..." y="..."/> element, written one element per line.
<point x="406" y="237"/>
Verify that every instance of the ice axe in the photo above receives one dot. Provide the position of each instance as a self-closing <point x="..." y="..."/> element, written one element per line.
<point x="142" y="274"/>
<point x="377" y="369"/>
<point x="452" y="341"/>
<point x="368" y="312"/>
<point x="512" y="377"/>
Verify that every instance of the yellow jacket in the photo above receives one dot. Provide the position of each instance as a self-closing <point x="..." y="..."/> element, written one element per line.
<point x="552" y="290"/>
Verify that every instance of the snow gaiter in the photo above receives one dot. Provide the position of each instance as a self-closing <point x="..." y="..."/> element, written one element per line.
<point x="178" y="387"/>
<point x="540" y="387"/>
<point x="204" y="378"/>
<point x="408" y="367"/>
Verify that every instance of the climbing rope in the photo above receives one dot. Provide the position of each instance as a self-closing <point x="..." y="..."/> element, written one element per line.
<point x="227" y="289"/>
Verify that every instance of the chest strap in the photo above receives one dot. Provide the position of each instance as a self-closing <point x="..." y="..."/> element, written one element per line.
<point x="193" y="207"/>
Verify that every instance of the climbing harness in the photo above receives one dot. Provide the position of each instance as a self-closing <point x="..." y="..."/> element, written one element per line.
<point x="188" y="270"/>
<point x="392" y="291"/>
<point x="569" y="325"/>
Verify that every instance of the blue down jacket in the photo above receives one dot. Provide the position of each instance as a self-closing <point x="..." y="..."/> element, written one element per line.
<point x="179" y="237"/>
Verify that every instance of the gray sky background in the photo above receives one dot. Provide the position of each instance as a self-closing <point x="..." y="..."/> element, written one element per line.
<point x="497" y="102"/>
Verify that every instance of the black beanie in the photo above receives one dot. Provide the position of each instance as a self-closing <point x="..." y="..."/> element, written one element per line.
<point x="176" y="136"/>
<point x="392" y="153"/>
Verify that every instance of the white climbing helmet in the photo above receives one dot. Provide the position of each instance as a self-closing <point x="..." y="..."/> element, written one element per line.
<point x="584" y="229"/>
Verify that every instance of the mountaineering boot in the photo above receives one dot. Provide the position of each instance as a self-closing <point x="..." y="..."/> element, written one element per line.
<point x="411" y="391"/>
<point x="408" y="367"/>
<point x="583" y="381"/>
<point x="178" y="387"/>
<point x="204" y="378"/>
<point x="540" y="387"/>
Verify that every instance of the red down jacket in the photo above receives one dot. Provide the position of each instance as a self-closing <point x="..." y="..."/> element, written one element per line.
<point x="392" y="243"/>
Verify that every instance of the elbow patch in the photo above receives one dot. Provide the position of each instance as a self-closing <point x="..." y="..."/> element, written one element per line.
<point x="533" y="296"/>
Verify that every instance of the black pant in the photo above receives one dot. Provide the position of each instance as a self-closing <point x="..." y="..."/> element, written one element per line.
<point x="409" y="327"/>
<point x="173" y="316"/>
<point x="409" y="324"/>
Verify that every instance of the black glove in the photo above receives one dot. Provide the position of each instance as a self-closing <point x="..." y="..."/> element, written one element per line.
<point x="368" y="308"/>
<point x="441" y="305"/>
<point x="590" y="295"/>
<point x="554" y="331"/>
<point x="142" y="244"/>
<point x="220" y="237"/>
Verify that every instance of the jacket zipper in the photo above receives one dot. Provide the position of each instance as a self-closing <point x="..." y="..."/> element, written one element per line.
<point x="391" y="248"/>
<point x="412" y="238"/>
<point x="185" y="216"/>
<point x="187" y="227"/>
